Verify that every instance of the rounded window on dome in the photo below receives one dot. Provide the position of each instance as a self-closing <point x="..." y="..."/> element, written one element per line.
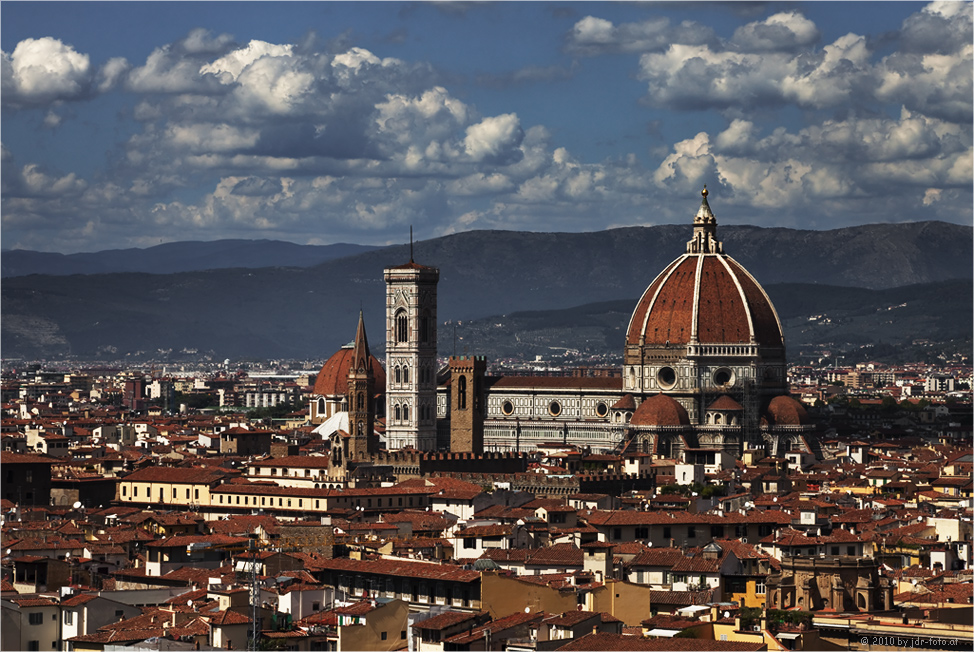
<point x="507" y="408"/>
<point x="723" y="376"/>
<point x="666" y="377"/>
<point x="601" y="409"/>
<point x="554" y="408"/>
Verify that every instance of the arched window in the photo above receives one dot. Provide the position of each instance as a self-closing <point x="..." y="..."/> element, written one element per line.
<point x="405" y="413"/>
<point x="402" y="326"/>
<point x="405" y="374"/>
<point x="361" y="401"/>
<point x="462" y="393"/>
<point x="398" y="413"/>
<point x="398" y="374"/>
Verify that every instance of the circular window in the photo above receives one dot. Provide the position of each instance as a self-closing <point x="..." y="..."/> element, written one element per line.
<point x="507" y="408"/>
<point x="666" y="378"/>
<point x="723" y="376"/>
<point x="554" y="408"/>
<point x="601" y="409"/>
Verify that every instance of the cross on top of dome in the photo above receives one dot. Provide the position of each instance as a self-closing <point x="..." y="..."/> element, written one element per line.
<point x="704" y="230"/>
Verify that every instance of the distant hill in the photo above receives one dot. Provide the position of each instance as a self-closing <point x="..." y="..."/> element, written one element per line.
<point x="895" y="323"/>
<point x="310" y="312"/>
<point x="176" y="257"/>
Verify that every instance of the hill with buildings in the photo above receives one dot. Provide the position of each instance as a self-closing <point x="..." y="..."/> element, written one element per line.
<point x="266" y="312"/>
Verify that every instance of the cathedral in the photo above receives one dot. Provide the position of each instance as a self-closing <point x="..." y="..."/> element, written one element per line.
<point x="703" y="372"/>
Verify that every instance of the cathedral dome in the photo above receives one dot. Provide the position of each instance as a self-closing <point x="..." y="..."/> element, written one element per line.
<point x="704" y="297"/>
<point x="660" y="410"/>
<point x="786" y="411"/>
<point x="333" y="377"/>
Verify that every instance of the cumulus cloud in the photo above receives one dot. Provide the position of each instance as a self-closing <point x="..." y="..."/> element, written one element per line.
<point x="592" y="35"/>
<point x="495" y="139"/>
<point x="787" y="31"/>
<point x="838" y="159"/>
<point x="291" y="141"/>
<point x="44" y="70"/>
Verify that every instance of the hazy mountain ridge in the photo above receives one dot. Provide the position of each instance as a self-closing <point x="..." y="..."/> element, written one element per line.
<point x="310" y="312"/>
<point x="175" y="257"/>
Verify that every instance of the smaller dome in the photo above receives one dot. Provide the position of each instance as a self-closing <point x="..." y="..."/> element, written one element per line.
<point x="660" y="410"/>
<point x="786" y="411"/>
<point x="627" y="402"/>
<point x="725" y="403"/>
<point x="333" y="377"/>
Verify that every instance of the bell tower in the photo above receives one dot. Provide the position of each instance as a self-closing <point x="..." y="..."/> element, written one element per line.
<point x="411" y="356"/>
<point x="361" y="396"/>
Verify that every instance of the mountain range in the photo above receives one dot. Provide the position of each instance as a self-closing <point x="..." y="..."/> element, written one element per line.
<point x="175" y="257"/>
<point x="308" y="312"/>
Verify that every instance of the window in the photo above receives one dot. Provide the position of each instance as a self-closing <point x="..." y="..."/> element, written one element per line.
<point x="617" y="533"/>
<point x="68" y="617"/>
<point x="187" y="492"/>
<point x="315" y="606"/>
<point x="835" y="550"/>
<point x="760" y="588"/>
<point x="462" y="393"/>
<point x="642" y="532"/>
<point x="667" y="532"/>
<point x="384" y="636"/>
<point x="35" y="618"/>
<point x="405" y="374"/>
<point x="402" y="635"/>
<point x="398" y="374"/>
<point x="691" y="532"/>
<point x="124" y="490"/>
<point x="34" y="645"/>
<point x="402" y="326"/>
<point x="850" y="550"/>
<point x="469" y="542"/>
<point x="716" y="531"/>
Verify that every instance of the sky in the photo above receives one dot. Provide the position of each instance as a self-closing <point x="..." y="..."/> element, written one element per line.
<point x="131" y="124"/>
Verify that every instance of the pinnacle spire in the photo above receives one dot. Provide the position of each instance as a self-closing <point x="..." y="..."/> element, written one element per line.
<point x="361" y="358"/>
<point x="705" y="230"/>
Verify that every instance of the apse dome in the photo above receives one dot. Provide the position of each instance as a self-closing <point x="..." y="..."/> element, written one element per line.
<point x="660" y="410"/>
<point x="786" y="411"/>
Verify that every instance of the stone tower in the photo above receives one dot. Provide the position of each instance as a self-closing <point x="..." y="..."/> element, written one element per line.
<point x="467" y="404"/>
<point x="361" y="391"/>
<point x="411" y="356"/>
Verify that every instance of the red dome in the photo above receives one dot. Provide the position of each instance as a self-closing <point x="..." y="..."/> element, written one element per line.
<point x="725" y="404"/>
<point x="660" y="410"/>
<point x="786" y="411"/>
<point x="709" y="298"/>
<point x="333" y="377"/>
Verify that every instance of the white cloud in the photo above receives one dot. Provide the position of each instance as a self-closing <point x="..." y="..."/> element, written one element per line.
<point x="229" y="67"/>
<point x="592" y="36"/>
<point x="495" y="139"/>
<point x="782" y="31"/>
<point x="44" y="70"/>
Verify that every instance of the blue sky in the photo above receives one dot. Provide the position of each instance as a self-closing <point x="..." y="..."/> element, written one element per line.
<point x="130" y="124"/>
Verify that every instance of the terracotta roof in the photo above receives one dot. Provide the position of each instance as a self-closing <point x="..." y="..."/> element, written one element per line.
<point x="786" y="411"/>
<point x="446" y="620"/>
<point x="732" y="307"/>
<point x="333" y="378"/>
<point x="660" y="410"/>
<point x="402" y="568"/>
<point x="604" y="641"/>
